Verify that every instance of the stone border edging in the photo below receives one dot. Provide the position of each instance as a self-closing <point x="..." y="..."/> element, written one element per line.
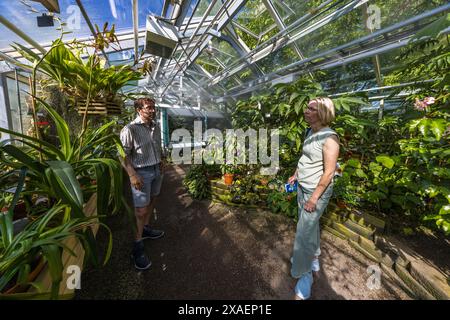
<point x="364" y="232"/>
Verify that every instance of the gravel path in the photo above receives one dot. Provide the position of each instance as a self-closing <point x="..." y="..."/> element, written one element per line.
<point x="211" y="251"/>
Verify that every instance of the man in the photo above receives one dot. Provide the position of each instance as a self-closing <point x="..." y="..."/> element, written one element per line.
<point x="141" y="140"/>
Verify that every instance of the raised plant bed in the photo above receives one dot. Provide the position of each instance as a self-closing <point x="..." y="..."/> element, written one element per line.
<point x="44" y="280"/>
<point x="364" y="232"/>
<point x="220" y="192"/>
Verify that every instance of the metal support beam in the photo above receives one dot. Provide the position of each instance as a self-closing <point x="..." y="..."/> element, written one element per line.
<point x="135" y="30"/>
<point x="21" y="34"/>
<point x="280" y="23"/>
<point x="225" y="14"/>
<point x="15" y="62"/>
<point x="184" y="9"/>
<point x="165" y="7"/>
<point x="357" y="42"/>
<point x="16" y="74"/>
<point x="50" y="5"/>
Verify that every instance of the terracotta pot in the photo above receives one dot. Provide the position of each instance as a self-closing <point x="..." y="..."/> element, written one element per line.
<point x="228" y="179"/>
<point x="341" y="204"/>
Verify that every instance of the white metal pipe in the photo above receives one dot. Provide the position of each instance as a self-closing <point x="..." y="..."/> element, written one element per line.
<point x="219" y="13"/>
<point x="15" y="62"/>
<point x="21" y="34"/>
<point x="135" y="30"/>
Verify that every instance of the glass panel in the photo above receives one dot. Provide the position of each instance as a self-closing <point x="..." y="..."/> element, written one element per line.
<point x="191" y="9"/>
<point x="245" y="75"/>
<point x="295" y="9"/>
<point x="343" y="30"/>
<point x="255" y="18"/>
<point x="356" y="24"/>
<point x="348" y="77"/>
<point x="284" y="11"/>
<point x="118" y="12"/>
<point x="19" y="109"/>
<point x="394" y="11"/>
<point x="223" y="51"/>
<point x="216" y="90"/>
<point x="196" y="74"/>
<point x="207" y="61"/>
<point x="278" y="59"/>
<point x="204" y="5"/>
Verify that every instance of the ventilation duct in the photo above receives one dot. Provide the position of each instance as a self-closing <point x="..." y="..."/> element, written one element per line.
<point x="160" y="37"/>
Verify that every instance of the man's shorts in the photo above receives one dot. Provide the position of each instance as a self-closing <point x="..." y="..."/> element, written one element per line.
<point x="151" y="187"/>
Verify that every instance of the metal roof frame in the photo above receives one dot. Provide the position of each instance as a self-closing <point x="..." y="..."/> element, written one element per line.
<point x="197" y="32"/>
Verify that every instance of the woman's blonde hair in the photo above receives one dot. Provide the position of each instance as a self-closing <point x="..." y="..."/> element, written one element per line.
<point x="325" y="110"/>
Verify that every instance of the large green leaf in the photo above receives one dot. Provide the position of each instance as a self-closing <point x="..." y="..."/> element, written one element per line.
<point x="294" y="96"/>
<point x="23" y="158"/>
<point x="49" y="147"/>
<point x="49" y="155"/>
<point x="103" y="187"/>
<point x="444" y="210"/>
<point x="6" y="220"/>
<point x="375" y="168"/>
<point x="52" y="253"/>
<point x="385" y="161"/>
<point x="354" y="163"/>
<point x="62" y="175"/>
<point x="62" y="128"/>
<point x="438" y="127"/>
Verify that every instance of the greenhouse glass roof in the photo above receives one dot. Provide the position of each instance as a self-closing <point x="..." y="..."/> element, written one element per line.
<point x="229" y="49"/>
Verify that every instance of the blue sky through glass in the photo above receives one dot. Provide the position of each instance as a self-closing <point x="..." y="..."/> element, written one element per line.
<point x="118" y="12"/>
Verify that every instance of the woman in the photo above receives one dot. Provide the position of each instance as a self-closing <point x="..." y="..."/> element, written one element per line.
<point x="315" y="172"/>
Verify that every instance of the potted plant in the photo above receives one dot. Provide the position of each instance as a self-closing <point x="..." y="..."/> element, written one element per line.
<point x="228" y="171"/>
<point x="54" y="170"/>
<point x="24" y="255"/>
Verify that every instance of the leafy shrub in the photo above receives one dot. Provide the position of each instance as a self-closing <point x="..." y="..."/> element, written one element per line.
<point x="197" y="183"/>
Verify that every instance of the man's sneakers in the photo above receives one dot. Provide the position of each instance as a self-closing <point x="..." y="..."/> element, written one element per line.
<point x="149" y="233"/>
<point x="141" y="261"/>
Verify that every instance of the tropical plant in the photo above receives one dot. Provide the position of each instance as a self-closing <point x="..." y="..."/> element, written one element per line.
<point x="284" y="203"/>
<point x="41" y="238"/>
<point x="228" y="168"/>
<point x="55" y="175"/>
<point x="247" y="190"/>
<point x="344" y="191"/>
<point x="197" y="183"/>
<point x="79" y="79"/>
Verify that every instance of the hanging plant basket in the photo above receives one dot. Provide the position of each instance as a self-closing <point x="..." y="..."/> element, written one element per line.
<point x="99" y="107"/>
